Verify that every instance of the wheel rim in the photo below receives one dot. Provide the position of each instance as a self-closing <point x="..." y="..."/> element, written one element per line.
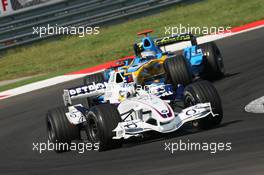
<point x="189" y="101"/>
<point x="93" y="131"/>
<point x="220" y="63"/>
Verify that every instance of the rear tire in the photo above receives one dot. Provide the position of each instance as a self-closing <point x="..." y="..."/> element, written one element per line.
<point x="60" y="130"/>
<point x="101" y="120"/>
<point x="214" y="63"/>
<point x="96" y="78"/>
<point x="177" y="70"/>
<point x="204" y="92"/>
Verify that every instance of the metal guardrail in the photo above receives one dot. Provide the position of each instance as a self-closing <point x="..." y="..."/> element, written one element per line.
<point x="18" y="29"/>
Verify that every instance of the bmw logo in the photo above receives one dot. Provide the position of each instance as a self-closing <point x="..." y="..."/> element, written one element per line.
<point x="191" y="112"/>
<point x="164" y="111"/>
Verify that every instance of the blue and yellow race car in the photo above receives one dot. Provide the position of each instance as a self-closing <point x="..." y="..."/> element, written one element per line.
<point x="151" y="63"/>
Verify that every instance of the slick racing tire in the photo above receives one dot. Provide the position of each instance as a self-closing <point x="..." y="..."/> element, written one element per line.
<point x="60" y="130"/>
<point x="96" y="78"/>
<point x="204" y="92"/>
<point x="101" y="120"/>
<point x="177" y="70"/>
<point x="214" y="63"/>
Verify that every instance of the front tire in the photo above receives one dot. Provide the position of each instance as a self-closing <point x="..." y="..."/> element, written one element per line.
<point x="177" y="70"/>
<point x="204" y="92"/>
<point x="101" y="121"/>
<point x="60" y="130"/>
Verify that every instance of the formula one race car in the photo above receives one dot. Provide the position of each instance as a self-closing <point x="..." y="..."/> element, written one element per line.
<point x="203" y="60"/>
<point x="124" y="110"/>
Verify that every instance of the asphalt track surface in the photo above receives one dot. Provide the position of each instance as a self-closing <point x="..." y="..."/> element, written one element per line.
<point x="22" y="123"/>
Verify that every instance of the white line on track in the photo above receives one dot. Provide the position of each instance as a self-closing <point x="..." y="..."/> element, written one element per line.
<point x="256" y="106"/>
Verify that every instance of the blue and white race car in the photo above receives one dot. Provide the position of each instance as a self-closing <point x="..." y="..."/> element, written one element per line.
<point x="123" y="110"/>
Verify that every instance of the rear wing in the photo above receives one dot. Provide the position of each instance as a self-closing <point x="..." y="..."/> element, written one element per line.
<point x="175" y="39"/>
<point x="164" y="41"/>
<point x="85" y="91"/>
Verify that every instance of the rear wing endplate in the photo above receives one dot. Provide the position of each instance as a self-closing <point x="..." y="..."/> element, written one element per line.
<point x="85" y="91"/>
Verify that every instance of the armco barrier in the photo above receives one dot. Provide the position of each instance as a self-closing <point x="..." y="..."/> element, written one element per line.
<point x="17" y="29"/>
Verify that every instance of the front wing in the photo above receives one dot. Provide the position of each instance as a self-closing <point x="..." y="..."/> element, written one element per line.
<point x="127" y="129"/>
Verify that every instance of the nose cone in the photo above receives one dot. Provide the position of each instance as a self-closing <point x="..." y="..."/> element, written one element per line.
<point x="158" y="106"/>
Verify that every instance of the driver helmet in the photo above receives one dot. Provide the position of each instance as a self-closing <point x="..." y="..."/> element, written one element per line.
<point x="148" y="54"/>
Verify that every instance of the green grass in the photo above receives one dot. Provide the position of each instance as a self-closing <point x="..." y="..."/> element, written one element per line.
<point x="73" y="53"/>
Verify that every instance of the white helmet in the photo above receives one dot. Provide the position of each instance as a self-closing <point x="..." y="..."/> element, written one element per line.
<point x="148" y="54"/>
